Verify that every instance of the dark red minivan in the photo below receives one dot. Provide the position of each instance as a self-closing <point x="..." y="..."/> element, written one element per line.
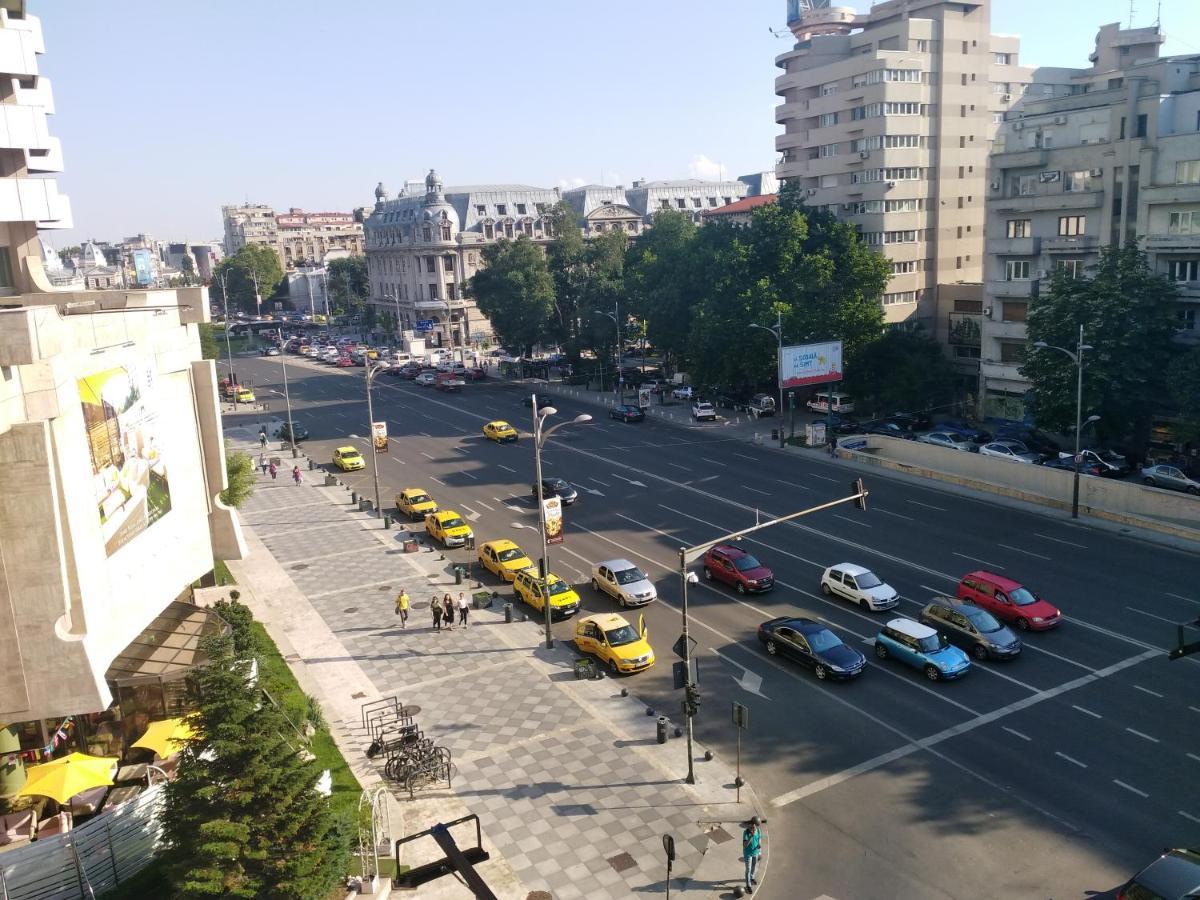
<point x="734" y="566"/>
<point x="1009" y="601"/>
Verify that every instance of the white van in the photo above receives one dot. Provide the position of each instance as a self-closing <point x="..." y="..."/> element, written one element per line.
<point x="842" y="403"/>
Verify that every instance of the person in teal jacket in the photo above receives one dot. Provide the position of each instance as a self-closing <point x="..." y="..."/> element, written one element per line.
<point x="751" y="851"/>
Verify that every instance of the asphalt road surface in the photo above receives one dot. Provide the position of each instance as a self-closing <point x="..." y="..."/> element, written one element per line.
<point x="1053" y="775"/>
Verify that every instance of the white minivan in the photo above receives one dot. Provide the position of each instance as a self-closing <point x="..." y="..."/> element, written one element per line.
<point x="842" y="403"/>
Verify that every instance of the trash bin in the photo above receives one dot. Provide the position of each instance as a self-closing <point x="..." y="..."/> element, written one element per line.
<point x="585" y="669"/>
<point x="459" y="571"/>
<point x="662" y="729"/>
<point x="508" y="612"/>
<point x="411" y="546"/>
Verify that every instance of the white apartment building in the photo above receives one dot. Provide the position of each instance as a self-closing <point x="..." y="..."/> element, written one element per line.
<point x="298" y="238"/>
<point x="1091" y="157"/>
<point x="888" y="120"/>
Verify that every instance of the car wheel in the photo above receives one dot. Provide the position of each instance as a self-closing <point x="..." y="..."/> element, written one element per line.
<point x="707" y="574"/>
<point x="932" y="673"/>
<point x="613" y="671"/>
<point x="1023" y="624"/>
<point x="771" y="648"/>
<point x="881" y="651"/>
<point x="621" y="600"/>
<point x="1149" y="481"/>
<point x="1193" y="490"/>
<point x="741" y="588"/>
<point x="821" y="672"/>
<point x="979" y="652"/>
<point x="825" y="589"/>
<point x="595" y="585"/>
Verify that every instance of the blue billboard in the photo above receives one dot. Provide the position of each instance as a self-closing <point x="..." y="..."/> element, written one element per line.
<point x="143" y="267"/>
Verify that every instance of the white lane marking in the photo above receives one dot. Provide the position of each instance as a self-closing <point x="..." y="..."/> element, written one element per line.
<point x="472" y="515"/>
<point x="398" y="459"/>
<point x="926" y="505"/>
<point x="744" y="456"/>
<point x="1146" y="690"/>
<point x="756" y="491"/>
<point x="426" y="455"/>
<point x="1194" y="708"/>
<point x="486" y="505"/>
<point x="1143" y="735"/>
<point x="713" y="461"/>
<point x="507" y="469"/>
<point x="1185" y="599"/>
<point x="1194" y="756"/>
<point x="1014" y="731"/>
<point x="1070" y="759"/>
<point x="887" y="512"/>
<point x="933" y="740"/>
<point x="1026" y="552"/>
<point x="848" y="519"/>
<point x="1142" y="612"/>
<point x="678" y="466"/>
<point x="423" y="434"/>
<point x="1087" y="712"/>
<point x="438" y="480"/>
<point x="597" y="480"/>
<point x="977" y="559"/>
<point x="1189" y="817"/>
<point x="469" y="475"/>
<point x="821" y="477"/>
<point x="1059" y="540"/>
<point x="1130" y="788"/>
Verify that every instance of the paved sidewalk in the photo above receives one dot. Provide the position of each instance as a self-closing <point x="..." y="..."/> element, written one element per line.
<point x="571" y="787"/>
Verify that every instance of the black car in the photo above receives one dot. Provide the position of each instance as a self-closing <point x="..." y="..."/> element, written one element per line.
<point x="285" y="432"/>
<point x="1109" y="462"/>
<point x="556" y="487"/>
<point x="1066" y="462"/>
<point x="891" y="429"/>
<point x="812" y="645"/>
<point x="912" y="421"/>
<point x="973" y="629"/>
<point x="627" y="412"/>
<point x="843" y="424"/>
<point x="1173" y="876"/>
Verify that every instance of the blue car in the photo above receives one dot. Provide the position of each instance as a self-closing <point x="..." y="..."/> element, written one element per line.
<point x="965" y="429"/>
<point x="922" y="648"/>
<point x="814" y="646"/>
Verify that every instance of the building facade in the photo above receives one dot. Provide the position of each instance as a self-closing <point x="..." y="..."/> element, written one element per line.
<point x="298" y="238"/>
<point x="888" y="119"/>
<point x="1092" y="157"/>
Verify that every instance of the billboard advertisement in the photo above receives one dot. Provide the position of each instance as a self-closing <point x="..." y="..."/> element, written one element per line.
<point x="379" y="436"/>
<point x="143" y="267"/>
<point x="129" y="467"/>
<point x="644" y="398"/>
<point x="810" y="364"/>
<point x="552" y="516"/>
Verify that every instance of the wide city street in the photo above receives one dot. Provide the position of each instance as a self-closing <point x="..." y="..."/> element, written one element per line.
<point x="1053" y="775"/>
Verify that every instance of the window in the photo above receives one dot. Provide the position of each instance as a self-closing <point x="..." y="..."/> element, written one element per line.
<point x="1077" y="181"/>
<point x="489" y="231"/>
<point x="921" y="46"/>
<point x="452" y="291"/>
<point x="1185" y="319"/>
<point x="1001" y="59"/>
<point x="1026" y="184"/>
<point x="904" y="268"/>
<point x="728" y="200"/>
<point x="1072" y="268"/>
<point x="696" y="202"/>
<point x="681" y="203"/>
<point x="508" y="230"/>
<point x="825" y="120"/>
<point x="900" y="237"/>
<point x="1012" y="353"/>
<point x="1020" y="228"/>
<point x="1140" y="131"/>
<point x="830" y="88"/>
<point x="501" y="209"/>
<point x="1013" y="311"/>
<point x="827" y="150"/>
<point x="433" y="292"/>
<point x="1187" y="172"/>
<point x="445" y="232"/>
<point x="665" y="204"/>
<point x="712" y="201"/>
<point x="899" y="297"/>
<point x="901" y="109"/>
<point x="857" y="113"/>
<point x="1184" y="270"/>
<point x="1071" y="226"/>
<point x="1000" y="87"/>
<point x="448" y="264"/>
<point x="520" y="209"/>
<point x="427" y="234"/>
<point x="1016" y="270"/>
<point x="997" y="118"/>
<point x="481" y="210"/>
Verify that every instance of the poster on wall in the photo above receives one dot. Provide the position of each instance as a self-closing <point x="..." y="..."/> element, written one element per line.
<point x="810" y="364"/>
<point x="125" y="442"/>
<point x="379" y="436"/>
<point x="552" y="516"/>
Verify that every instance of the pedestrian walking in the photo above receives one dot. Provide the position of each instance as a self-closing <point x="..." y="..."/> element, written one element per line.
<point x="296" y="474"/>
<point x="274" y="470"/>
<point x="448" y="611"/>
<point x="436" y="606"/>
<point x="262" y="438"/>
<point x="402" y="607"/>
<point x="751" y="851"/>
<point x="262" y="462"/>
<point x="463" y="609"/>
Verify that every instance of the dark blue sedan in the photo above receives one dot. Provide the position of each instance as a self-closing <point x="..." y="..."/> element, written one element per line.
<point x="812" y="645"/>
<point x="626" y="413"/>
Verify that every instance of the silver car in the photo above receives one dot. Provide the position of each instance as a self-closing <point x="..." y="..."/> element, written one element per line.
<point x="624" y="582"/>
<point x="1013" y="451"/>
<point x="1170" y="477"/>
<point x="949" y="440"/>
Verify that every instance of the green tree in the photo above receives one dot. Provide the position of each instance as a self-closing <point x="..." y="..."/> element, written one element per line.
<point x="239" y="471"/>
<point x="349" y="286"/>
<point x="660" y="282"/>
<point x="1127" y="312"/>
<point x="188" y="267"/>
<point x="243" y="818"/>
<point x="566" y="259"/>
<point x="1183" y="378"/>
<point x="238" y="272"/>
<point x="515" y="291"/>
<point x="209" y="348"/>
<point x="901" y="371"/>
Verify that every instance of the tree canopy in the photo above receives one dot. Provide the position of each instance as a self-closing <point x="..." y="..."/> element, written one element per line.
<point x="902" y="371"/>
<point x="349" y="286"/>
<point x="515" y="291"/>
<point x="238" y="273"/>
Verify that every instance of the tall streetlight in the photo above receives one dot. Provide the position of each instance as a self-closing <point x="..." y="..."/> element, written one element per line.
<point x="615" y="315"/>
<point x="1077" y="358"/>
<point x="539" y="438"/>
<point x="372" y="371"/>
<point x="287" y="398"/>
<point x="777" y="330"/>
<point x="228" y="345"/>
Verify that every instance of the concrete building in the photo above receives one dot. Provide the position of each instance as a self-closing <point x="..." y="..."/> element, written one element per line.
<point x="888" y="119"/>
<point x="601" y="207"/>
<point x="111" y="463"/>
<point x="1091" y="157"/>
<point x="298" y="238"/>
<point x="691" y="196"/>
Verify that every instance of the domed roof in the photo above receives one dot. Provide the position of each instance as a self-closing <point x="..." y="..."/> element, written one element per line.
<point x="51" y="261"/>
<point x="380" y="192"/>
<point x="433" y="182"/>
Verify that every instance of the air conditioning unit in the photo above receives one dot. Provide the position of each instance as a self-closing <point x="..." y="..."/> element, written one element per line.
<point x="811" y="192"/>
<point x="891" y="184"/>
<point x="1095" y="173"/>
<point x="1041" y="273"/>
<point x="995" y="185"/>
<point x="1017" y="126"/>
<point x="1060" y="120"/>
<point x="864" y="154"/>
<point x="1007" y="98"/>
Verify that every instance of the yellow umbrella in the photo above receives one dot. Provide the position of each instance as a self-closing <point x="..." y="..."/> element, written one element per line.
<point x="166" y="736"/>
<point x="62" y="779"/>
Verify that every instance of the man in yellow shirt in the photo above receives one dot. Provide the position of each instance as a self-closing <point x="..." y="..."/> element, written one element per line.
<point x="402" y="607"/>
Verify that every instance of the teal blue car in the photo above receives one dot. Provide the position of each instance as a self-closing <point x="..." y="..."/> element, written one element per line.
<point x="922" y="648"/>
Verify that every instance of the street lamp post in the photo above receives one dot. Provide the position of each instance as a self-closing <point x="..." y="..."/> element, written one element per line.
<point x="228" y="345"/>
<point x="539" y="438"/>
<point x="287" y="399"/>
<point x="777" y="330"/>
<point x="372" y="371"/>
<point x="1077" y="358"/>
<point x="615" y="315"/>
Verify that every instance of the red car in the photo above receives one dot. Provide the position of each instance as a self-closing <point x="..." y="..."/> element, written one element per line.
<point x="344" y="362"/>
<point x="1009" y="601"/>
<point x="734" y="566"/>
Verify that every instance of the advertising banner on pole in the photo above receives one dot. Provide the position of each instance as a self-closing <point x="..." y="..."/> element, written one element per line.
<point x="810" y="364"/>
<point x="553" y="517"/>
<point x="379" y="436"/>
<point x="644" y="398"/>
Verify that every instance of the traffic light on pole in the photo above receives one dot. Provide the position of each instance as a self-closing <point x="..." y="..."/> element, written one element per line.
<point x="860" y="499"/>
<point x="691" y="703"/>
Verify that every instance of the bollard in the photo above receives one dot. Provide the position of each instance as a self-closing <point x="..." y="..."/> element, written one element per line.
<point x="458" y="573"/>
<point x="353" y="497"/>
<point x="508" y="611"/>
<point x="774" y="434"/>
<point x="311" y="465"/>
<point x="662" y="729"/>
<point x="387" y="521"/>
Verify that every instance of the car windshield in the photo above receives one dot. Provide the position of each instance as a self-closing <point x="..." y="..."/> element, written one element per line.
<point x="419" y="498"/>
<point x="1017" y="447"/>
<point x="983" y="620"/>
<point x="556" y="484"/>
<point x="823" y="640"/>
<point x="510" y="554"/>
<point x="1110" y="456"/>
<point x="559" y="587"/>
<point x="867" y="580"/>
<point x="746" y="562"/>
<point x="1022" y="597"/>
<point x="932" y="644"/>
<point x="350" y="454"/>
<point x="621" y="636"/>
<point x="629" y="576"/>
<point x="456" y="522"/>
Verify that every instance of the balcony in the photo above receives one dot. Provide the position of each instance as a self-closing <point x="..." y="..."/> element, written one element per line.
<point x="793" y="139"/>
<point x="34" y="200"/>
<point x="1020" y="288"/>
<point x="1002" y="371"/>
<point x="1083" y="243"/>
<point x="1172" y="193"/>
<point x="45" y="163"/>
<point x="1013" y="331"/>
<point x="794" y="110"/>
<point x="23" y="128"/>
<point x="1065" y="200"/>
<point x="1173" y="242"/>
<point x="1019" y="159"/>
<point x="1029" y="246"/>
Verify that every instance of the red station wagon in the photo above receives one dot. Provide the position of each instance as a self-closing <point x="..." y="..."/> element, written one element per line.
<point x="734" y="566"/>
<point x="1009" y="601"/>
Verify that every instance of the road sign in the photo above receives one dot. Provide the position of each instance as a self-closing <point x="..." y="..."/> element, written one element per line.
<point x="678" y="646"/>
<point x="679" y="674"/>
<point x="424" y="325"/>
<point x="741" y="715"/>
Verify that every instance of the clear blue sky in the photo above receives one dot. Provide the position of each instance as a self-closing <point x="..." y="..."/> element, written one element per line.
<point x="167" y="110"/>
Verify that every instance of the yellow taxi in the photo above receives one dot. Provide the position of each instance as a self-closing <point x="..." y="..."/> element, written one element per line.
<point x="563" y="599"/>
<point x="448" y="527"/>
<point x="504" y="558"/>
<point x="615" y="642"/>
<point x="244" y="394"/>
<point x="415" y="502"/>
<point x="348" y="459"/>
<point x="499" y="431"/>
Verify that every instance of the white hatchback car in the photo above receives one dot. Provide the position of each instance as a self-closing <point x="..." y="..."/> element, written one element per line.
<point x="425" y="379"/>
<point x="1013" y="451"/>
<point x="852" y="582"/>
<point x="624" y="582"/>
<point x="684" y="392"/>
<point x="703" y="412"/>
